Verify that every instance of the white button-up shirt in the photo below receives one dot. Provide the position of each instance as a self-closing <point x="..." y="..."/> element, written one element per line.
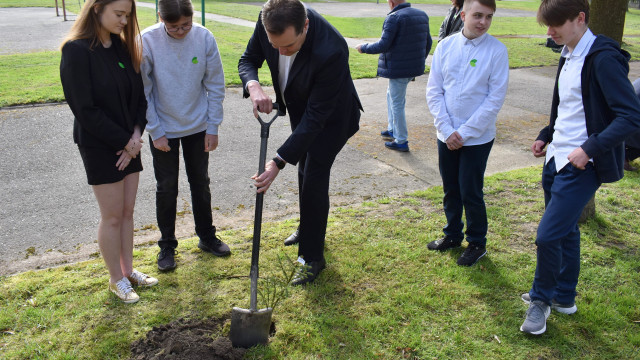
<point x="284" y="67"/>
<point x="570" y="129"/>
<point x="467" y="86"/>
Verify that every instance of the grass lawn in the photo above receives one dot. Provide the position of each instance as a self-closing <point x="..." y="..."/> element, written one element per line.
<point x="34" y="77"/>
<point x="383" y="295"/>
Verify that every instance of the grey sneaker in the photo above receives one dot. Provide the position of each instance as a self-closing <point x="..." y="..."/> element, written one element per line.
<point x="536" y="321"/>
<point x="561" y="308"/>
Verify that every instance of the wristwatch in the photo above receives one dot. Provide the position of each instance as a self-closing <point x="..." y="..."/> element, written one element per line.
<point x="279" y="162"/>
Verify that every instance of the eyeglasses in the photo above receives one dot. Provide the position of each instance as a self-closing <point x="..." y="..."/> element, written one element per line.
<point x="173" y="29"/>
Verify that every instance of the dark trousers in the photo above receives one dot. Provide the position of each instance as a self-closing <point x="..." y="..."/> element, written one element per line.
<point x="166" y="167"/>
<point x="462" y="173"/>
<point x="558" y="240"/>
<point x="314" y="171"/>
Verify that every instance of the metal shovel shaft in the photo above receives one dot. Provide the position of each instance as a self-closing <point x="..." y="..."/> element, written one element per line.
<point x="251" y="327"/>
<point x="257" y="222"/>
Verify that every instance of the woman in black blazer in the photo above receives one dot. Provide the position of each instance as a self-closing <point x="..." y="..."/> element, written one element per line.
<point x="100" y="73"/>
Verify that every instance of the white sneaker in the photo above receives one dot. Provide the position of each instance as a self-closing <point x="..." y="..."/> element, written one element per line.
<point x="122" y="288"/>
<point x="141" y="279"/>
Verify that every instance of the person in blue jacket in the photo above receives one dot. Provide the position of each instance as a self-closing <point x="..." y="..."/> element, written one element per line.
<point x="594" y="108"/>
<point x="403" y="48"/>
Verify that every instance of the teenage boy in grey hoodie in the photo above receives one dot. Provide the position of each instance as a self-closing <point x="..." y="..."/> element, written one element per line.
<point x="184" y="85"/>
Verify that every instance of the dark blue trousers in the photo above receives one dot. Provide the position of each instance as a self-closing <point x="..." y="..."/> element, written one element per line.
<point x="462" y="173"/>
<point x="166" y="167"/>
<point x="558" y="240"/>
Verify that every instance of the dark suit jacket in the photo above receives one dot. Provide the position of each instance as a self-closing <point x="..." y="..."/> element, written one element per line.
<point x="323" y="104"/>
<point x="104" y="115"/>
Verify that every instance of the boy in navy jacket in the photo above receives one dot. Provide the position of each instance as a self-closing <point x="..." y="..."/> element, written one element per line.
<point x="594" y="108"/>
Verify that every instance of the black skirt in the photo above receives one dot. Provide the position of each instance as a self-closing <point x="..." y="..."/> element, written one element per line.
<point x="100" y="165"/>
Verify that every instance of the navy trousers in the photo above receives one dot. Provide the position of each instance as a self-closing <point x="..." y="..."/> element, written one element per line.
<point x="462" y="173"/>
<point x="166" y="168"/>
<point x="566" y="192"/>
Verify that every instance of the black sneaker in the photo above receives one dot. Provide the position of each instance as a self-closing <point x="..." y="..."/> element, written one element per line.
<point x="443" y="244"/>
<point x="166" y="259"/>
<point x="215" y="246"/>
<point x="471" y="255"/>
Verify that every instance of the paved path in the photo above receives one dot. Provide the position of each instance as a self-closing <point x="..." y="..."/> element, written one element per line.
<point x="18" y="38"/>
<point x="49" y="215"/>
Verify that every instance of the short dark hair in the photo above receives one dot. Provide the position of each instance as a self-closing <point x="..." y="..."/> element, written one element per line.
<point x="173" y="10"/>
<point x="278" y="15"/>
<point x="557" y="12"/>
<point x="488" y="3"/>
<point x="459" y="3"/>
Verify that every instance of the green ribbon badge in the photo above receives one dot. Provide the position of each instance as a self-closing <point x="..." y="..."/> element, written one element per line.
<point x="473" y="62"/>
<point x="121" y="65"/>
<point x="194" y="60"/>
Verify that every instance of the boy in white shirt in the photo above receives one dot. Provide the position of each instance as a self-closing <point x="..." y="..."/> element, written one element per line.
<point x="594" y="108"/>
<point x="466" y="89"/>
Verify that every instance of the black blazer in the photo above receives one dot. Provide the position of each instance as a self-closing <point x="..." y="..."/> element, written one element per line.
<point x="104" y="115"/>
<point x="323" y="104"/>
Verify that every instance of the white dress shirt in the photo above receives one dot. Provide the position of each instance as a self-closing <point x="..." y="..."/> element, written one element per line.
<point x="467" y="86"/>
<point x="570" y="129"/>
<point x="284" y="67"/>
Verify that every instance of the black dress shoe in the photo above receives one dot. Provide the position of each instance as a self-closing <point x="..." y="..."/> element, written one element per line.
<point x="292" y="239"/>
<point x="308" y="272"/>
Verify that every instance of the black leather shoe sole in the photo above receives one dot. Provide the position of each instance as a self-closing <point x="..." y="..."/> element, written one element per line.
<point x="292" y="239"/>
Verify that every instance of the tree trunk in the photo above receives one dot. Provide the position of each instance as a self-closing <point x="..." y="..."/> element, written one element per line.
<point x="607" y="18"/>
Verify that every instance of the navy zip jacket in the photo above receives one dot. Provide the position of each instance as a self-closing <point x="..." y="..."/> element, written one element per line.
<point x="404" y="44"/>
<point x="611" y="107"/>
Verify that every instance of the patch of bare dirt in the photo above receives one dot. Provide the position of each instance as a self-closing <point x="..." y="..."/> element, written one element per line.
<point x="187" y="340"/>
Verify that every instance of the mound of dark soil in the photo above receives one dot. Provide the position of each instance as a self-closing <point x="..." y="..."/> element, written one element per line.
<point x="186" y="340"/>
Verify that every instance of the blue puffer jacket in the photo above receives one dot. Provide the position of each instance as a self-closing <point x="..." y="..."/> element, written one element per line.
<point x="404" y="44"/>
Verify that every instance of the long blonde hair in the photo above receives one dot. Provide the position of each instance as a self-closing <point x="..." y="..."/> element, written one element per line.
<point x="87" y="26"/>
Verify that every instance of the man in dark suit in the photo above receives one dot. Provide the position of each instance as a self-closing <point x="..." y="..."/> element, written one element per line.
<point x="309" y="64"/>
